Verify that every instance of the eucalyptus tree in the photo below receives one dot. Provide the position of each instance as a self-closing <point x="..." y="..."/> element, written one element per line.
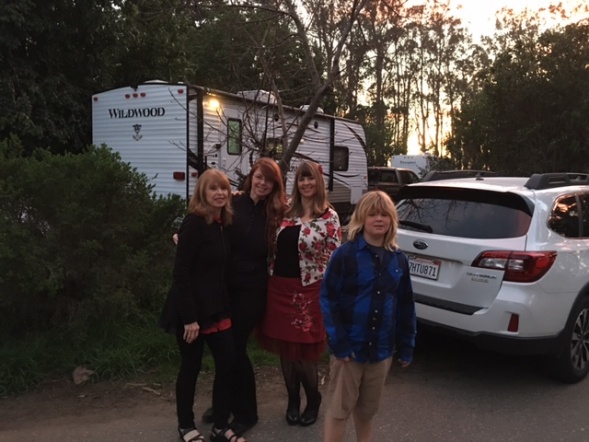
<point x="439" y="47"/>
<point x="379" y="26"/>
<point x="531" y="113"/>
<point x="153" y="42"/>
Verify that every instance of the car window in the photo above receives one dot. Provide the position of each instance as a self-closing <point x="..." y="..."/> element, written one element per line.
<point x="564" y="218"/>
<point x="585" y="215"/>
<point x="408" y="176"/>
<point x="388" y="176"/>
<point x="465" y="213"/>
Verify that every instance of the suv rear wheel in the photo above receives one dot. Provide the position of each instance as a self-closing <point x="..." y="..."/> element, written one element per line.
<point x="573" y="363"/>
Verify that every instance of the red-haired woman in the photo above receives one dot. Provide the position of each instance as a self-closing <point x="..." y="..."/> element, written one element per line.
<point x="258" y="211"/>
<point x="257" y="215"/>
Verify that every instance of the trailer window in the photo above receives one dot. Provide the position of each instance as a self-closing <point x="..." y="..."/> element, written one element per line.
<point x="341" y="158"/>
<point x="234" y="137"/>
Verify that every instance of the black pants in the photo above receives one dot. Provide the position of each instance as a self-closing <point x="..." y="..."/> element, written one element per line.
<point x="247" y="307"/>
<point x="222" y="348"/>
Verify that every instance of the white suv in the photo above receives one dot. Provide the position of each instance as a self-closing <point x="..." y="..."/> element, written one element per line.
<point x="505" y="262"/>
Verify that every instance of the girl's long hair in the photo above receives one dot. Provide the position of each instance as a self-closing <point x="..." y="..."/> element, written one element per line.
<point x="198" y="202"/>
<point x="379" y="202"/>
<point x="320" y="203"/>
<point x="275" y="201"/>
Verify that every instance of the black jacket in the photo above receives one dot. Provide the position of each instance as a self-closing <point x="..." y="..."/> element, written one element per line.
<point x="248" y="268"/>
<point x="199" y="289"/>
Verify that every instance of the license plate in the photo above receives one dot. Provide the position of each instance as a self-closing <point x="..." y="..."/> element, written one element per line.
<point x="426" y="268"/>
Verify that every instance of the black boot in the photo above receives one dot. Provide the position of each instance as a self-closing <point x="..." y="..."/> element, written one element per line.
<point x="293" y="413"/>
<point x="309" y="375"/>
<point x="309" y="416"/>
<point x="293" y="388"/>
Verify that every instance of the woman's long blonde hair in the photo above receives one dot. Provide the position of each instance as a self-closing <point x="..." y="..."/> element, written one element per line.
<point x="320" y="203"/>
<point x="374" y="201"/>
<point x="198" y="202"/>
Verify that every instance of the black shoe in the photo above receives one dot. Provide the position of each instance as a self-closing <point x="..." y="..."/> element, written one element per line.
<point x="293" y="412"/>
<point x="309" y="416"/>
<point x="207" y="416"/>
<point x="240" y="428"/>
<point x="293" y="416"/>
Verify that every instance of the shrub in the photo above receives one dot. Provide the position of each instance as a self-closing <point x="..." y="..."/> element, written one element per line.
<point x="84" y="243"/>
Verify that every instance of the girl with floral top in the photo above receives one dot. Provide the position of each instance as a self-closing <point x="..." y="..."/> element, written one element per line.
<point x="293" y="325"/>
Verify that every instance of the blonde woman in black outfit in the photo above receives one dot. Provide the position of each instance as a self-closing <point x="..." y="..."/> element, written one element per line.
<point x="198" y="307"/>
<point x="257" y="214"/>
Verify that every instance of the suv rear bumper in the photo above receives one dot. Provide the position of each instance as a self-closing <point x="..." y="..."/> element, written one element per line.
<point x="541" y="318"/>
<point x="550" y="345"/>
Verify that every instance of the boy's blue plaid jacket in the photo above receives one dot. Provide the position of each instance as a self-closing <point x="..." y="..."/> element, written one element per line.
<point x="367" y="305"/>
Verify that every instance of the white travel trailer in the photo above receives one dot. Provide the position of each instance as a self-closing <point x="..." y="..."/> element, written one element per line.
<point x="420" y="164"/>
<point x="173" y="132"/>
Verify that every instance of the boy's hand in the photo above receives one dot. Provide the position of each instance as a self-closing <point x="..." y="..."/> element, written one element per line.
<point x="175" y="238"/>
<point x="348" y="358"/>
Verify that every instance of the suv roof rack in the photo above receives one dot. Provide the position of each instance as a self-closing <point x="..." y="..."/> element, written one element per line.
<point x="435" y="175"/>
<point x="540" y="181"/>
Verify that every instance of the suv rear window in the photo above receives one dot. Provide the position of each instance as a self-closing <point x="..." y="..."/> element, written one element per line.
<point x="464" y="213"/>
<point x="376" y="176"/>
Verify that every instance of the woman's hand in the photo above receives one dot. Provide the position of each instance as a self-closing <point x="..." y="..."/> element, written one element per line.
<point x="175" y="238"/>
<point x="191" y="332"/>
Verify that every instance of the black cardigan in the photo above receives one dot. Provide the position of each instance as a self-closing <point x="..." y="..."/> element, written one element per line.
<point x="248" y="268"/>
<point x="199" y="290"/>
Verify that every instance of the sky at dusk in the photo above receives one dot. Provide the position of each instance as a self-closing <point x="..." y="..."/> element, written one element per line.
<point x="479" y="16"/>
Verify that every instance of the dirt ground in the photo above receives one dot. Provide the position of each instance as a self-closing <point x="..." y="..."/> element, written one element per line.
<point x="70" y="410"/>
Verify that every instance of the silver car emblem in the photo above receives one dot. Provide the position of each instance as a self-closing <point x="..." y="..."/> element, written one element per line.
<point x="421" y="245"/>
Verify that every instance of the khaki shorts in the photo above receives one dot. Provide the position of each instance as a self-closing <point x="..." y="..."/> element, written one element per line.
<point x="355" y="387"/>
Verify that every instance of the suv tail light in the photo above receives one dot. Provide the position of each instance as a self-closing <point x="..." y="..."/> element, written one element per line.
<point x="518" y="266"/>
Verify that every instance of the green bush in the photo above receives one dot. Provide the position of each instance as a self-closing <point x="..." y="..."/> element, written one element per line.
<point x="85" y="264"/>
<point x="84" y="241"/>
<point x="85" y="252"/>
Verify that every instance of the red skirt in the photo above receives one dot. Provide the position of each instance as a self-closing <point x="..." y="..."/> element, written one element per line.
<point x="293" y="324"/>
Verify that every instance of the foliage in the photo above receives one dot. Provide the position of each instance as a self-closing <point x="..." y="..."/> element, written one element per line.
<point x="378" y="135"/>
<point x="531" y="114"/>
<point x="84" y="242"/>
<point x="124" y="351"/>
<point x="86" y="261"/>
<point x="53" y="56"/>
<point x="154" y="42"/>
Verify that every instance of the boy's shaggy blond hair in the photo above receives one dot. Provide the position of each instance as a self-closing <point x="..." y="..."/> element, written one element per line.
<point x="379" y="202"/>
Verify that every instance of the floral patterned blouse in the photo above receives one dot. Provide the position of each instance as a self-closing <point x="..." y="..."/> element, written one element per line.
<point x="318" y="239"/>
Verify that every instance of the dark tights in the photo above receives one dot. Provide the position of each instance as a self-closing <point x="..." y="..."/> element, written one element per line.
<point x="297" y="373"/>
